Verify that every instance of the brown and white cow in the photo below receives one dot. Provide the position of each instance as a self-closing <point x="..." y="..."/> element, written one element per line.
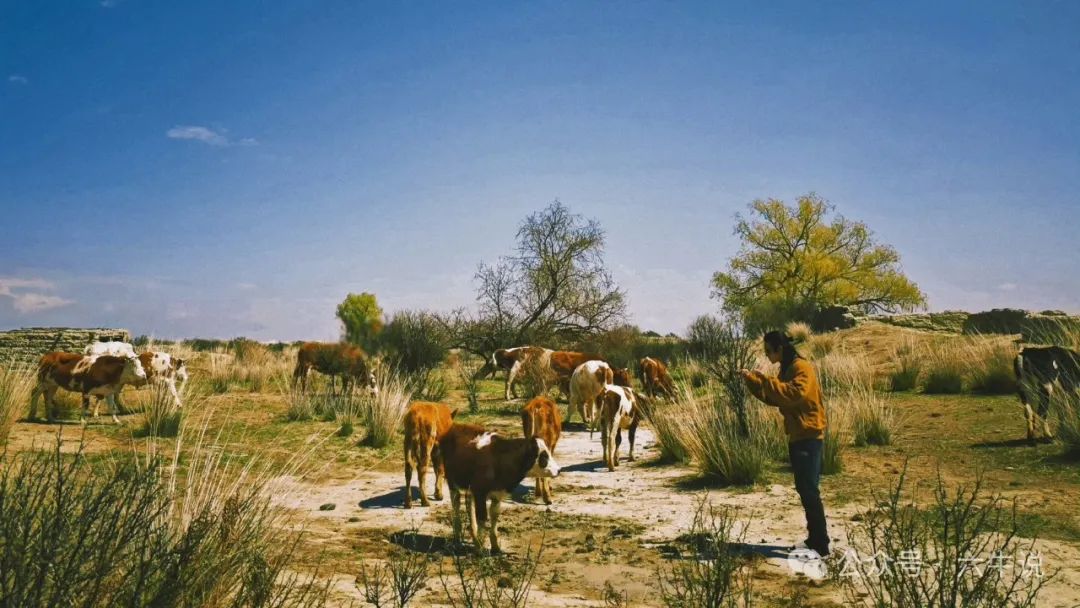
<point x="482" y="467"/>
<point x="618" y="410"/>
<point x="164" y="369"/>
<point x="586" y="385"/>
<point x="540" y="419"/>
<point x="425" y="424"/>
<point x="100" y="376"/>
<point x="334" y="359"/>
<point x="1038" y="370"/>
<point x="655" y="379"/>
<point x="515" y="361"/>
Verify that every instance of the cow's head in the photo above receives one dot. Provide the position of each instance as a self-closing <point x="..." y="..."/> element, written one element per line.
<point x="133" y="371"/>
<point x="620" y="376"/>
<point x="543" y="463"/>
<point x="373" y="386"/>
<point x="180" y="369"/>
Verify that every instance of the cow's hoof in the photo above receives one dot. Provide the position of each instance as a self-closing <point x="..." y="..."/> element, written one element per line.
<point x="408" y="505"/>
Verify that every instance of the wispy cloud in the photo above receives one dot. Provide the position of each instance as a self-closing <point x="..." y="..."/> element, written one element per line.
<point x="1007" y="287"/>
<point x="18" y="79"/>
<point x="109" y="3"/>
<point x="207" y="136"/>
<point x="26" y="294"/>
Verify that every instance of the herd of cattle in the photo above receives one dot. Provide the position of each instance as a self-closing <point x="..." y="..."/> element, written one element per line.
<point x="481" y="466"/>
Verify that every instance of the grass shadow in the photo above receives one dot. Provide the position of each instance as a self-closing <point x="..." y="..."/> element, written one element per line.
<point x="428" y="544"/>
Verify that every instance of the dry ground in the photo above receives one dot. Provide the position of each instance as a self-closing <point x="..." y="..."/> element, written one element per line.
<point x="614" y="526"/>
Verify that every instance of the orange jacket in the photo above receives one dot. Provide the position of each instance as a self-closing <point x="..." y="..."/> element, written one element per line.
<point x="798" y="395"/>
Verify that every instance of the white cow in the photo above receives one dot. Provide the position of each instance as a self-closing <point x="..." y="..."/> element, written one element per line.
<point x="586" y="385"/>
<point x="619" y="410"/>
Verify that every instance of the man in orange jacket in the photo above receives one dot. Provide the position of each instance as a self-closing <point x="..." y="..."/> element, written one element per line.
<point x="797" y="394"/>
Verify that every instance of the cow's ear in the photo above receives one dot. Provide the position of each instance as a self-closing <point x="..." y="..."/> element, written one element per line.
<point x="179" y="362"/>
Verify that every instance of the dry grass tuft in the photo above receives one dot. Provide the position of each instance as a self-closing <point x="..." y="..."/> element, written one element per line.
<point x="16" y="383"/>
<point x="381" y="414"/>
<point x="799" y="332"/>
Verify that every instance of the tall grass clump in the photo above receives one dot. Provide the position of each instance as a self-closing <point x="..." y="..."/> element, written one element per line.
<point x="161" y="415"/>
<point x="705" y="430"/>
<point x="991" y="367"/>
<point x="1067" y="411"/>
<point x="958" y="547"/>
<point x="129" y="534"/>
<point x="381" y="413"/>
<point x="16" y="384"/>
<point x="872" y="417"/>
<point x="905" y="376"/>
<point x="945" y="370"/>
<point x="799" y="332"/>
<point x="709" y="570"/>
<point x="300" y="405"/>
<point x="840" y="372"/>
<point x="470" y="384"/>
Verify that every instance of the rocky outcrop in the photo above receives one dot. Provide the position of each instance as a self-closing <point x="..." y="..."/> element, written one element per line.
<point x="28" y="344"/>
<point x="950" y="321"/>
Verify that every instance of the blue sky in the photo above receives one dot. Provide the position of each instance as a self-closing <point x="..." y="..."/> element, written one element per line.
<point x="236" y="168"/>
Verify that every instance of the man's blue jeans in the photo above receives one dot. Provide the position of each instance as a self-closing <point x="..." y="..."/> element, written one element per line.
<point x="806" y="457"/>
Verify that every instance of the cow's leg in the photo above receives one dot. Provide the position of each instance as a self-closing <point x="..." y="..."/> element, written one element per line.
<point x="455" y="512"/>
<point x="171" y="383"/>
<point x="605" y="437"/>
<point x="493" y="523"/>
<point x="631" y="432"/>
<point x="474" y="530"/>
<point x="50" y="403"/>
<point x="86" y="407"/>
<point x="440" y="471"/>
<point x="111" y="401"/>
<point x="545" y="489"/>
<point x="409" y="449"/>
<point x="34" y="395"/>
<point x="422" y="467"/>
<point x="511" y="375"/>
<point x="618" y="444"/>
<point x="1046" y="393"/>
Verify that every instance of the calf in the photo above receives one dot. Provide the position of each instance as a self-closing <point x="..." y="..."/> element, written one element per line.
<point x="563" y="363"/>
<point x="540" y="419"/>
<point x="483" y="467"/>
<point x="618" y="410"/>
<point x="1038" y="369"/>
<point x="425" y="424"/>
<point x="655" y="378"/>
<point x="586" y="386"/>
<point x="164" y="369"/>
<point x="98" y="376"/>
<point x="515" y="361"/>
<point x="334" y="359"/>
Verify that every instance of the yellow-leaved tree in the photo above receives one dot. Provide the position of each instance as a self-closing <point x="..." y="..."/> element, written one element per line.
<point x="362" y="320"/>
<point x="795" y="260"/>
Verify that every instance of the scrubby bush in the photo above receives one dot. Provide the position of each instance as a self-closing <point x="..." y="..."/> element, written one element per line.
<point x="724" y="350"/>
<point x="75" y="534"/>
<point x="713" y="573"/>
<point x="16" y="383"/>
<point x="414" y="341"/>
<point x="943" y="551"/>
<point x="491" y="581"/>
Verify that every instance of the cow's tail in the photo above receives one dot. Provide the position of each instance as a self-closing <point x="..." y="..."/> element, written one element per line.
<point x="528" y="425"/>
<point x="1018" y="369"/>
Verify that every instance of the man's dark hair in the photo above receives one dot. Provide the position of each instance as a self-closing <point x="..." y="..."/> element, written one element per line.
<point x="777" y="340"/>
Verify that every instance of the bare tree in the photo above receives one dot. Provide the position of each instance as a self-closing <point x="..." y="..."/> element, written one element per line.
<point x="553" y="289"/>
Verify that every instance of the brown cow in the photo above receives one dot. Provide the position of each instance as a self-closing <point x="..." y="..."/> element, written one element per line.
<point x="334" y="359"/>
<point x="621" y="377"/>
<point x="425" y="425"/>
<point x="483" y="466"/>
<point x="101" y="376"/>
<point x="586" y="386"/>
<point x="540" y="418"/>
<point x="561" y="365"/>
<point x="619" y="410"/>
<point x="515" y="361"/>
<point x="655" y="378"/>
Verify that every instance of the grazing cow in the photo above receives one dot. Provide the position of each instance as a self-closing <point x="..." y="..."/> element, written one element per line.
<point x="334" y="359"/>
<point x="540" y="419"/>
<point x="515" y="361"/>
<point x="99" y="376"/>
<point x="1037" y="370"/>
<point x="655" y="378"/>
<point x="618" y="410"/>
<point x="116" y="349"/>
<point x="164" y="369"/>
<point x="560" y="367"/>
<point x="425" y="424"/>
<point x="586" y="386"/>
<point x="621" y="377"/>
<point x="483" y="467"/>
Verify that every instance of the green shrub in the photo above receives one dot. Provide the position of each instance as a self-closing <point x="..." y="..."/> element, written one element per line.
<point x="491" y="581"/>
<point x="414" y="341"/>
<point x="943" y="381"/>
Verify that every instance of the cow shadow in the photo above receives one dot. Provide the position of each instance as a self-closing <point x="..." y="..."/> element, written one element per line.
<point x="429" y="544"/>
<point x="394" y="499"/>
<point x="1019" y="442"/>
<point x="683" y="548"/>
<point x="591" y="466"/>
